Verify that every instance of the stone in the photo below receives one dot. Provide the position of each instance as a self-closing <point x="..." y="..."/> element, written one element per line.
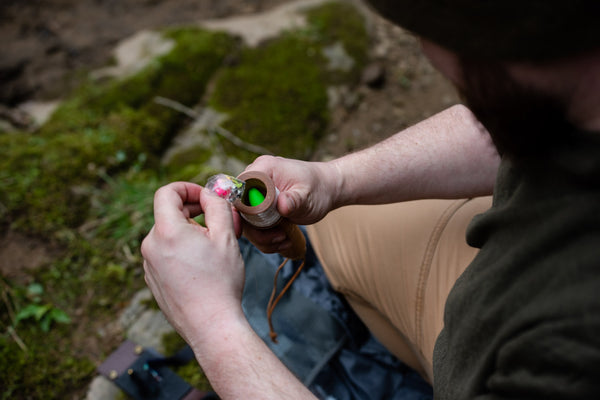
<point x="337" y="58"/>
<point x="373" y="75"/>
<point x="149" y="329"/>
<point x="255" y="28"/>
<point x="102" y="389"/>
<point x="134" y="53"/>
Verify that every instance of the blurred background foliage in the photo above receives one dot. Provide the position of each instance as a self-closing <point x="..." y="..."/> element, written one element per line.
<point x="84" y="181"/>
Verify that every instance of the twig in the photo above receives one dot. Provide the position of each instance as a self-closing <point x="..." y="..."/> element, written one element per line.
<point x="239" y="142"/>
<point x="129" y="254"/>
<point x="11" y="314"/>
<point x="16" y="338"/>
<point x="6" y="299"/>
<point x="217" y="129"/>
<point x="163" y="101"/>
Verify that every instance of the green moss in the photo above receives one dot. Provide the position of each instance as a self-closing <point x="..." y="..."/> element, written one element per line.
<point x="102" y="259"/>
<point x="103" y="128"/>
<point x="46" y="370"/>
<point x="94" y="166"/>
<point x="191" y="371"/>
<point x="193" y="155"/>
<point x="193" y="374"/>
<point x="275" y="98"/>
<point x="276" y="95"/>
<point x="171" y="343"/>
<point x="122" y="208"/>
<point x="350" y="30"/>
<point x="196" y="173"/>
<point x="95" y="273"/>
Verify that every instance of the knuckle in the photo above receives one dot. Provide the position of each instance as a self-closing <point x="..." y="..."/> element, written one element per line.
<point x="160" y="192"/>
<point x="145" y="248"/>
<point x="263" y="158"/>
<point x="264" y="161"/>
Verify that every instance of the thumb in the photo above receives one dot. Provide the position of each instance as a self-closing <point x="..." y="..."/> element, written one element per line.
<point x="217" y="212"/>
<point x="287" y="203"/>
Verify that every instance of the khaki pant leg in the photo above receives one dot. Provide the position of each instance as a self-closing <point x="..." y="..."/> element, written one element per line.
<point x="395" y="264"/>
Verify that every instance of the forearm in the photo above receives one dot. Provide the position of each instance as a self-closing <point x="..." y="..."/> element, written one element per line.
<point x="449" y="155"/>
<point x="240" y="366"/>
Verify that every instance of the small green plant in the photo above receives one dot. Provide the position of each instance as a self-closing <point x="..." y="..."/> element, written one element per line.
<point x="43" y="313"/>
<point x="45" y="175"/>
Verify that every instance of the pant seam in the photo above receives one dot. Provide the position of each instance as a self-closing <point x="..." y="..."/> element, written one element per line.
<point x="426" y="266"/>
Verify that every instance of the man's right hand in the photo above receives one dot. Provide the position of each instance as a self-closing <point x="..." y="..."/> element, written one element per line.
<point x="307" y="192"/>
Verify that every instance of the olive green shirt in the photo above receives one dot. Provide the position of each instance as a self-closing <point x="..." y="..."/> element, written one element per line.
<point x="523" y="320"/>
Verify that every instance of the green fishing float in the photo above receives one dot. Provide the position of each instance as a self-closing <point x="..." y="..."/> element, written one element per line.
<point x="255" y="197"/>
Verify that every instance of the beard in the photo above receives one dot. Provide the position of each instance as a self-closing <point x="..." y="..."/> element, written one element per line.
<point x="523" y="121"/>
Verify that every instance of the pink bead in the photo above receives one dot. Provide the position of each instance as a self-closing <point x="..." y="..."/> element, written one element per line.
<point x="221" y="192"/>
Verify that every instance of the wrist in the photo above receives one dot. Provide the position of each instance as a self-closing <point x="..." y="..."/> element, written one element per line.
<point x="238" y="364"/>
<point x="203" y="328"/>
<point x="217" y="344"/>
<point x="338" y="184"/>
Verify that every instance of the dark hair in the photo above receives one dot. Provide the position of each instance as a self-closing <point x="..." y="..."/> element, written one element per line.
<point x="529" y="126"/>
<point x="508" y="30"/>
<point x="522" y="120"/>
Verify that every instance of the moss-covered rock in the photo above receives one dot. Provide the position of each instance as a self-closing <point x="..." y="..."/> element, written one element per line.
<point x="103" y="127"/>
<point x="87" y="163"/>
<point x="276" y="95"/>
<point x="350" y="31"/>
<point x="29" y="374"/>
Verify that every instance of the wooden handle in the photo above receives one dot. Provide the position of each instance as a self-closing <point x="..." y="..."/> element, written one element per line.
<point x="298" y="249"/>
<point x="265" y="215"/>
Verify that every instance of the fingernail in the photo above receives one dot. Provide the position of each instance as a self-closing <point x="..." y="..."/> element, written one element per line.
<point x="210" y="192"/>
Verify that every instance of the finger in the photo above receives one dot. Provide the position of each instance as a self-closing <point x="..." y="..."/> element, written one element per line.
<point x="149" y="278"/>
<point x="278" y="248"/>
<point x="192" y="210"/>
<point x="217" y="213"/>
<point x="146" y="247"/>
<point x="152" y="282"/>
<point x="171" y="202"/>
<point x="267" y="240"/>
<point x="262" y="163"/>
<point x="286" y="203"/>
<point x="237" y="222"/>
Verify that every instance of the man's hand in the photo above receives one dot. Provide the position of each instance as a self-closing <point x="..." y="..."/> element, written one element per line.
<point x="307" y="192"/>
<point x="195" y="273"/>
<point x="448" y="156"/>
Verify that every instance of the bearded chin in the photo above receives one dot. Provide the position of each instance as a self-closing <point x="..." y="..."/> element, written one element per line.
<point x="524" y="123"/>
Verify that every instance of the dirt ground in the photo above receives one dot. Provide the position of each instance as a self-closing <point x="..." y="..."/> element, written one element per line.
<point x="47" y="44"/>
<point x="45" y="41"/>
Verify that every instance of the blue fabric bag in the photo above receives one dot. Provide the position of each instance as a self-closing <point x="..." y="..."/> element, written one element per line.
<point x="320" y="338"/>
